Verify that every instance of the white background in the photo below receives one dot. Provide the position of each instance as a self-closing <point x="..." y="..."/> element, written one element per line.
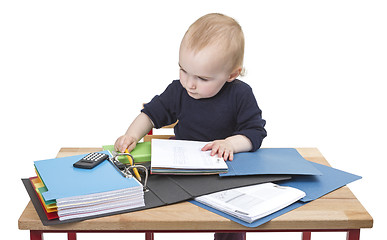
<point x="75" y="74"/>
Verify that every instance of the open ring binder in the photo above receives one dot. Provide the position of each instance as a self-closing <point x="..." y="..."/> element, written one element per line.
<point x="126" y="171"/>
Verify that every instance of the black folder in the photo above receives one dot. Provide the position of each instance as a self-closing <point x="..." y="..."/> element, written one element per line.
<point x="167" y="189"/>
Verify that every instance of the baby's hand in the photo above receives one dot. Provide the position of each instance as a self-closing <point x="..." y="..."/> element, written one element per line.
<point x="125" y="142"/>
<point x="223" y="148"/>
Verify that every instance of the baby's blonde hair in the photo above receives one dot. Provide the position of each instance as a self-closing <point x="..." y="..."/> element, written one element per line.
<point x="219" y="30"/>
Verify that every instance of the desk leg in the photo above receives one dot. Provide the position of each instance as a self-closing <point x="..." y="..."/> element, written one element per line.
<point x="353" y="234"/>
<point x="149" y="236"/>
<point x="36" y="235"/>
<point x="72" y="236"/>
<point x="306" y="235"/>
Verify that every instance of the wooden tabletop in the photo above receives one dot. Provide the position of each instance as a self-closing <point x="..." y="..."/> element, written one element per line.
<point x="339" y="209"/>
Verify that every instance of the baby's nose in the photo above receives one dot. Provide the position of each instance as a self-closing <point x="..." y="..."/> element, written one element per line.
<point x="191" y="83"/>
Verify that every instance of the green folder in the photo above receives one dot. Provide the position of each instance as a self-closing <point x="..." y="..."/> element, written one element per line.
<point x="141" y="153"/>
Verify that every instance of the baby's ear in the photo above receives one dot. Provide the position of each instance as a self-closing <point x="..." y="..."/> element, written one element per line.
<point x="234" y="74"/>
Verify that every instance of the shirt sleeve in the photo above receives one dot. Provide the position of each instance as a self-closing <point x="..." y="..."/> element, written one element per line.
<point x="161" y="108"/>
<point x="249" y="119"/>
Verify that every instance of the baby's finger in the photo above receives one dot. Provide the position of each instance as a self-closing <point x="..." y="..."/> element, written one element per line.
<point x="118" y="144"/>
<point x="221" y="151"/>
<point x="215" y="149"/>
<point x="208" y="146"/>
<point x="131" y="146"/>
<point x="231" y="156"/>
<point x="226" y="155"/>
<point x="124" y="146"/>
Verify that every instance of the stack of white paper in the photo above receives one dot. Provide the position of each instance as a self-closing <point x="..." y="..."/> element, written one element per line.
<point x="184" y="157"/>
<point x="252" y="202"/>
<point x="101" y="203"/>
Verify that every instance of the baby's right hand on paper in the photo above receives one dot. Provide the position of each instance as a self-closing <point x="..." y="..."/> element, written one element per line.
<point x="125" y="142"/>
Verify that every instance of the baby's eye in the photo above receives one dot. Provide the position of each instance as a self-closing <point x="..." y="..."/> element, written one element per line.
<point x="203" y="79"/>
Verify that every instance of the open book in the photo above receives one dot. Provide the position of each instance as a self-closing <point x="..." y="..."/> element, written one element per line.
<point x="184" y="157"/>
<point x="252" y="202"/>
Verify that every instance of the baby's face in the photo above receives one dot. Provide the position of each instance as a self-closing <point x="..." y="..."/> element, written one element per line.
<point x="204" y="73"/>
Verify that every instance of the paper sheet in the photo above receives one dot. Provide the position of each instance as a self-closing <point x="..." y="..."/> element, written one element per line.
<point x="179" y="154"/>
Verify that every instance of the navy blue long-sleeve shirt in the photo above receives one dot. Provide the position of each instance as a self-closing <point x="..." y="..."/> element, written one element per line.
<point x="232" y="111"/>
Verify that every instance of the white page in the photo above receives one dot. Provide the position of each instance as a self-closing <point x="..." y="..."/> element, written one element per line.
<point x="182" y="154"/>
<point x="252" y="202"/>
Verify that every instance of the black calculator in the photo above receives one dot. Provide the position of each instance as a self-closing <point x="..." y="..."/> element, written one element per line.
<point x="91" y="160"/>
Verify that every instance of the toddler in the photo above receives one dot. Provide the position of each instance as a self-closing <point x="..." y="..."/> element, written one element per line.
<point x="208" y="100"/>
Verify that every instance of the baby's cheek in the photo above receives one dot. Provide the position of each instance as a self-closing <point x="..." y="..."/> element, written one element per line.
<point x="210" y="91"/>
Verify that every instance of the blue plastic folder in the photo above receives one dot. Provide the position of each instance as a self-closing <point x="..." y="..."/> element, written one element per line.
<point x="270" y="161"/>
<point x="314" y="187"/>
<point x="318" y="186"/>
<point x="63" y="180"/>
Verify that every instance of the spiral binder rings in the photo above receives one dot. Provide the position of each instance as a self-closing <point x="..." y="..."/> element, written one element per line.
<point x="126" y="171"/>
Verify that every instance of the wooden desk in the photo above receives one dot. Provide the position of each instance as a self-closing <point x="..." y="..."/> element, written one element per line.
<point x="337" y="211"/>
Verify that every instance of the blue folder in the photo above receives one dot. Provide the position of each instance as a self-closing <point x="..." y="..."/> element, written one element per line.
<point x="63" y="180"/>
<point x="314" y="187"/>
<point x="318" y="186"/>
<point x="270" y="161"/>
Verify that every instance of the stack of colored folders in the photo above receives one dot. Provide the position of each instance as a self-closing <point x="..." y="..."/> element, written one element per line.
<point x="67" y="193"/>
